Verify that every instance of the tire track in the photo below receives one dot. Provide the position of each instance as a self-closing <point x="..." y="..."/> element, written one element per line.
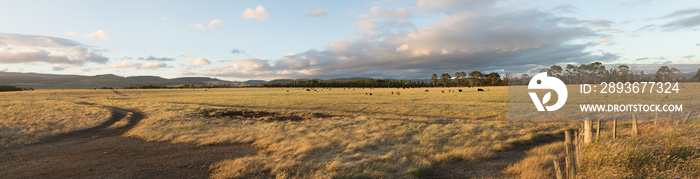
<point x="102" y="152"/>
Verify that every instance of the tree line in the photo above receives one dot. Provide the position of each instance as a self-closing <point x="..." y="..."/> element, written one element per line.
<point x="596" y="72"/>
<point x="475" y="78"/>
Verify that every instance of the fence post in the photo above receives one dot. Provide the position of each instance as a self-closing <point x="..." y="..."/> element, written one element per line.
<point x="587" y="131"/>
<point x="656" y="119"/>
<point x="569" y="160"/>
<point x="614" y="129"/>
<point x="635" y="128"/>
<point x="597" y="130"/>
<point x="557" y="169"/>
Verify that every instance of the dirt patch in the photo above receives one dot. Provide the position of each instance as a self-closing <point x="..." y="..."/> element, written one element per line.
<point x="101" y="152"/>
<point x="260" y="115"/>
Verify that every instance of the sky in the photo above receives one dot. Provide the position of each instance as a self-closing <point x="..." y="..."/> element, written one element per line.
<point x="265" y="40"/>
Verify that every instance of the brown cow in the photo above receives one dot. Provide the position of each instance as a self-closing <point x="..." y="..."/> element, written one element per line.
<point x="426" y="91"/>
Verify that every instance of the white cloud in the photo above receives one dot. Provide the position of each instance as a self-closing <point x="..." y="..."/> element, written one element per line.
<point x="489" y="40"/>
<point x="197" y="61"/>
<point x="604" y="40"/>
<point x="152" y="66"/>
<point x="398" y="13"/>
<point x="146" y="66"/>
<point x="197" y="27"/>
<point x="18" y="48"/>
<point x="126" y="64"/>
<point x="317" y="13"/>
<point x="99" y="34"/>
<point x="71" y="33"/>
<point x="452" y="6"/>
<point x="366" y="22"/>
<point x="402" y="48"/>
<point x="215" y="23"/>
<point x="258" y="13"/>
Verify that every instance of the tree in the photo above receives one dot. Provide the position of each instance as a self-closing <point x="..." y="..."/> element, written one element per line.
<point x="556" y="71"/>
<point x="445" y="79"/>
<point x="494" y="79"/>
<point x="663" y="74"/>
<point x="475" y="78"/>
<point x="434" y="79"/>
<point x="623" y="71"/>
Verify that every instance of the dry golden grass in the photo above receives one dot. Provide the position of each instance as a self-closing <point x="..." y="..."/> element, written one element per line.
<point x="538" y="162"/>
<point x="25" y="120"/>
<point x="661" y="151"/>
<point x="378" y="136"/>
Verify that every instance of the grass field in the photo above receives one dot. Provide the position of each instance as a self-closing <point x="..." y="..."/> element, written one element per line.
<point x="327" y="133"/>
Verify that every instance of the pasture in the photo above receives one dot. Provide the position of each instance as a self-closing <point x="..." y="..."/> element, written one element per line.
<point x="319" y="133"/>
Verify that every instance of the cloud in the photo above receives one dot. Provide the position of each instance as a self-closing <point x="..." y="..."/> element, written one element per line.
<point x="19" y="48"/>
<point x="71" y="33"/>
<point x="126" y="64"/>
<point x="398" y="13"/>
<point x="486" y="41"/>
<point x="198" y="61"/>
<point x="197" y="27"/>
<point x="634" y="3"/>
<point x="697" y="44"/>
<point x="152" y="66"/>
<point x="317" y="13"/>
<point x="35" y="41"/>
<point x="258" y="13"/>
<point x="604" y="40"/>
<point x="215" y="23"/>
<point x="402" y="48"/>
<point x="366" y="22"/>
<point x="686" y="18"/>
<point x="152" y="58"/>
<point x="99" y="34"/>
<point x="237" y="51"/>
<point x="452" y="6"/>
<point x="58" y="68"/>
<point x="146" y="66"/>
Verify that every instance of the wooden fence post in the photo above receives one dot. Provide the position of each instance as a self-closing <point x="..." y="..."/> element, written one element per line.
<point x="587" y="131"/>
<point x="597" y="130"/>
<point x="614" y="129"/>
<point x="656" y="119"/>
<point x="635" y="128"/>
<point x="557" y="169"/>
<point x="569" y="160"/>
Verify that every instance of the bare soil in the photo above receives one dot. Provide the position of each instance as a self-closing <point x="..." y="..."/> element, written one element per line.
<point x="101" y="152"/>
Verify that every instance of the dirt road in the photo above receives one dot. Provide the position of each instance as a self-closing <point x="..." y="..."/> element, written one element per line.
<point x="101" y="152"/>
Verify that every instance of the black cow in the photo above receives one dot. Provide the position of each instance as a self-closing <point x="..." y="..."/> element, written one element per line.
<point x="480" y="89"/>
<point x="460" y="90"/>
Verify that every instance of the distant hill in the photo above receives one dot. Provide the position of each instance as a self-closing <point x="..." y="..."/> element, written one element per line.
<point x="52" y="81"/>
